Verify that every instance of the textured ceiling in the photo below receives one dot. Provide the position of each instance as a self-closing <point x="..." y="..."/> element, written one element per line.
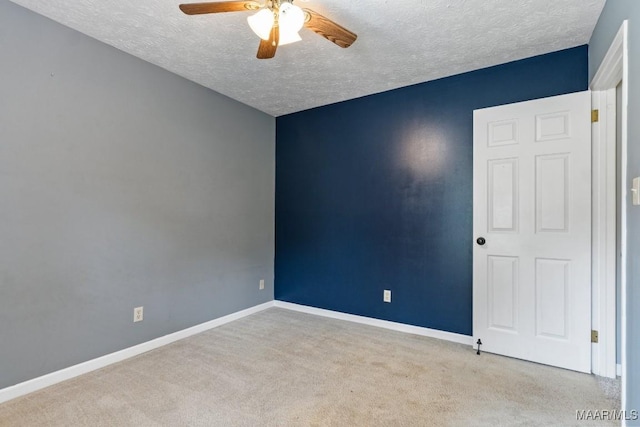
<point x="399" y="43"/>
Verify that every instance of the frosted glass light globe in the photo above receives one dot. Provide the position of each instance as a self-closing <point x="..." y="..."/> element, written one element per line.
<point x="261" y="23"/>
<point x="291" y="17"/>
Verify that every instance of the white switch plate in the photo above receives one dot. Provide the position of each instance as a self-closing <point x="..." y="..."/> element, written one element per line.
<point x="635" y="191"/>
<point x="261" y="286"/>
<point x="138" y="314"/>
<point x="386" y="295"/>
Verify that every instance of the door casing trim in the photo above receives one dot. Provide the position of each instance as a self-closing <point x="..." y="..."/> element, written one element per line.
<point x="613" y="69"/>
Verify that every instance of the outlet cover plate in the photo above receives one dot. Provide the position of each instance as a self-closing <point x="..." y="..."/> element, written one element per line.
<point x="386" y="295"/>
<point x="138" y="314"/>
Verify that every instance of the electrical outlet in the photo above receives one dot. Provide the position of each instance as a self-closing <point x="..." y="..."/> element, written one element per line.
<point x="138" y="314"/>
<point x="386" y="295"/>
<point x="261" y="286"/>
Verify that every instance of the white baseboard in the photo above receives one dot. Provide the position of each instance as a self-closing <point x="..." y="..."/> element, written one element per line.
<point x="619" y="370"/>
<point x="47" y="380"/>
<point x="400" y="327"/>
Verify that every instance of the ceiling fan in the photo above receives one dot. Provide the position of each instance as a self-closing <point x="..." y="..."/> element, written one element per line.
<point x="277" y="22"/>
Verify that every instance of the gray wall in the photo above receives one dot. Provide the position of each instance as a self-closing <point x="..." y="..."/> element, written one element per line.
<point x="615" y="11"/>
<point x="121" y="185"/>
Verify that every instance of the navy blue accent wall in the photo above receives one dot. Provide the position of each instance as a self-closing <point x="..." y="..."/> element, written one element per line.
<point x="376" y="193"/>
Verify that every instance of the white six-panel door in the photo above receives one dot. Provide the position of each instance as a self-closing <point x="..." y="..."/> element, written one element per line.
<point x="532" y="205"/>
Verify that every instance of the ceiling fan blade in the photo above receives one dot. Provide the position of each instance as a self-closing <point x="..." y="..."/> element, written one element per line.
<point x="328" y="29"/>
<point x="220" y="6"/>
<point x="267" y="48"/>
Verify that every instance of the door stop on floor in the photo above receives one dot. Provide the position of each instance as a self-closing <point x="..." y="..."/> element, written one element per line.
<point x="479" y="344"/>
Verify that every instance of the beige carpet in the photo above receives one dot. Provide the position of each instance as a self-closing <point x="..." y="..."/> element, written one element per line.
<point x="281" y="368"/>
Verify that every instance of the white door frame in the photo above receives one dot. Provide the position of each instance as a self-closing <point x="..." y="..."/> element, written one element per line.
<point x="612" y="70"/>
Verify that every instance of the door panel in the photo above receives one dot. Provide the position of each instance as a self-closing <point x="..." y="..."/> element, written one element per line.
<point x="502" y="280"/>
<point x="552" y="193"/>
<point x="552" y="289"/>
<point x="532" y="204"/>
<point x="503" y="195"/>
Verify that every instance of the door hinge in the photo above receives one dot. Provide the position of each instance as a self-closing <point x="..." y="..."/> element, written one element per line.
<point x="595" y="116"/>
<point x="594" y="336"/>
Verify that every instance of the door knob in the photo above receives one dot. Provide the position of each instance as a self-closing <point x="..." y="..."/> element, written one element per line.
<point x="481" y="241"/>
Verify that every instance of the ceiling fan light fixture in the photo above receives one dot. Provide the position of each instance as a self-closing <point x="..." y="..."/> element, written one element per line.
<point x="277" y="22"/>
<point x="261" y="23"/>
<point x="287" y="37"/>
<point x="291" y="18"/>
